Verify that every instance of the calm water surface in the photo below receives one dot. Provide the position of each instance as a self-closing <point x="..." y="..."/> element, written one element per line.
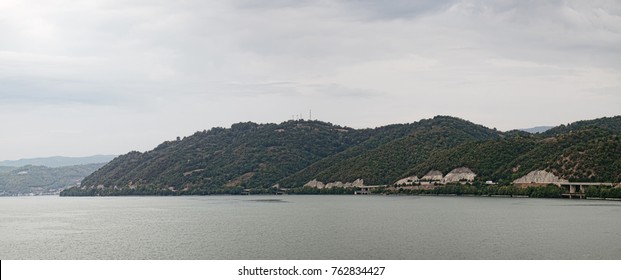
<point x="308" y="227"/>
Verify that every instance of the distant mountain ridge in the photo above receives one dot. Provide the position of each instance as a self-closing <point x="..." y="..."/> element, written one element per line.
<point x="58" y="161"/>
<point x="536" y="129"/>
<point x="262" y="157"/>
<point x="42" y="180"/>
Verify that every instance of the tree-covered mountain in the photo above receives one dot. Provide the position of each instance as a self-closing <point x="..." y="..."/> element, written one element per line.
<point x="393" y="157"/>
<point x="586" y="154"/>
<point x="612" y="124"/>
<point x="41" y="180"/>
<point x="259" y="156"/>
<point x="247" y="155"/>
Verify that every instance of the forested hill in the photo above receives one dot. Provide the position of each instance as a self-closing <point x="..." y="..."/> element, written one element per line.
<point x="385" y="157"/>
<point x="612" y="124"/>
<point x="246" y="155"/>
<point x="259" y="156"/>
<point x="588" y="154"/>
<point x="41" y="180"/>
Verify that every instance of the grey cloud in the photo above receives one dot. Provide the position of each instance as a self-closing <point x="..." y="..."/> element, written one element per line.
<point x="391" y="10"/>
<point x="55" y="92"/>
<point x="342" y="91"/>
<point x="198" y="60"/>
<point x="360" y="9"/>
<point x="262" y="89"/>
<point x="272" y="4"/>
<point x="554" y="32"/>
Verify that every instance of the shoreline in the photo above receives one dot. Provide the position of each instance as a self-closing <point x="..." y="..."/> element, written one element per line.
<point x="315" y="194"/>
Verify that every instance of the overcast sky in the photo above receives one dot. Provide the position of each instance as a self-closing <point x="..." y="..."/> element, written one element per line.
<point x="91" y="77"/>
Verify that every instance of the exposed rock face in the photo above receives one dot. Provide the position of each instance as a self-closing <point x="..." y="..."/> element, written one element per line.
<point x="459" y="174"/>
<point x="539" y="177"/>
<point x="407" y="181"/>
<point x="315" y="184"/>
<point x="338" y="184"/>
<point x="358" y="183"/>
<point x="433" y="175"/>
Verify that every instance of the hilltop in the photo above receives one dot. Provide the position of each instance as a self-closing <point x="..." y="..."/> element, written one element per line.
<point x="264" y="157"/>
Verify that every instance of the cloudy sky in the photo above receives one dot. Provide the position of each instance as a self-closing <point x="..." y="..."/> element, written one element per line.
<point x="110" y="76"/>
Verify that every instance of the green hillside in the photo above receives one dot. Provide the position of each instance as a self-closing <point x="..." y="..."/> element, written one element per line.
<point x="259" y="156"/>
<point x="393" y="157"/>
<point x="247" y="155"/>
<point x="586" y="154"/>
<point x="40" y="180"/>
<point x="612" y="124"/>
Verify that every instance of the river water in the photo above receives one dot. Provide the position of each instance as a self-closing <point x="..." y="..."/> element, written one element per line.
<point x="308" y="227"/>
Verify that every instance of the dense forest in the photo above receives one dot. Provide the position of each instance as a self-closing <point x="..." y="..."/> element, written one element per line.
<point x="263" y="158"/>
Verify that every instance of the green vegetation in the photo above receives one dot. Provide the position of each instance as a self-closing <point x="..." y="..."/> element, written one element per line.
<point x="258" y="157"/>
<point x="550" y="191"/>
<point x="390" y="158"/>
<point x="40" y="180"/>
<point x="247" y="155"/>
<point x="602" y="192"/>
<point x="585" y="155"/>
<point x="612" y="124"/>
